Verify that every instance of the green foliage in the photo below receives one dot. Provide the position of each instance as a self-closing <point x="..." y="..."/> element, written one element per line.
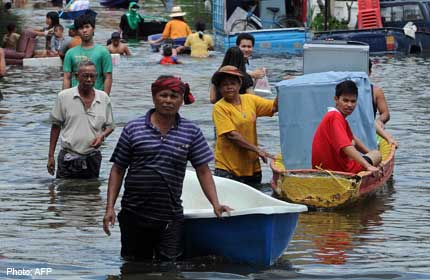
<point x="332" y="23"/>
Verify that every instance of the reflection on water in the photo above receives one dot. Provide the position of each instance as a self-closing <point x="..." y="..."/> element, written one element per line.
<point x="58" y="223"/>
<point x="73" y="202"/>
<point x="335" y="234"/>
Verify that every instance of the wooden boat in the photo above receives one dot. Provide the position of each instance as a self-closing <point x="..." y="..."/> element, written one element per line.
<point x="257" y="231"/>
<point x="151" y="26"/>
<point x="75" y="14"/>
<point x="330" y="189"/>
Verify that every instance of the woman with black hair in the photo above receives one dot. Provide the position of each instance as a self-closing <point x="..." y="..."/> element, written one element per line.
<point x="52" y="19"/>
<point x="234" y="57"/>
<point x="198" y="42"/>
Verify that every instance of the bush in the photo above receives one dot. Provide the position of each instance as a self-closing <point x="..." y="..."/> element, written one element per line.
<point x="332" y="23"/>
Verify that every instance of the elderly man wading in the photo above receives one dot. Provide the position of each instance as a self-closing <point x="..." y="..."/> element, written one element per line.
<point x="155" y="149"/>
<point x="83" y="115"/>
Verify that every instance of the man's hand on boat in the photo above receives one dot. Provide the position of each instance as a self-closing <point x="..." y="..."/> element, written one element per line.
<point x="219" y="209"/>
<point x="390" y="139"/>
<point x="264" y="155"/>
<point x="376" y="171"/>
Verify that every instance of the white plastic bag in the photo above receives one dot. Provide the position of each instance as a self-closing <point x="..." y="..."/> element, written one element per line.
<point x="262" y="86"/>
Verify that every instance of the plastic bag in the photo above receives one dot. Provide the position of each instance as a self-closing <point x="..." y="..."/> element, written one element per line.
<point x="262" y="86"/>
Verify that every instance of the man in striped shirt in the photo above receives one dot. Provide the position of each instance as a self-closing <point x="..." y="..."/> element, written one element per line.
<point x="155" y="149"/>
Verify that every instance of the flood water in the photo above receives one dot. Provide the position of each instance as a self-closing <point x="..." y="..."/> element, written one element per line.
<point x="58" y="225"/>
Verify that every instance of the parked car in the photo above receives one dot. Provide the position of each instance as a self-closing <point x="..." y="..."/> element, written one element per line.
<point x="392" y="38"/>
<point x="399" y="13"/>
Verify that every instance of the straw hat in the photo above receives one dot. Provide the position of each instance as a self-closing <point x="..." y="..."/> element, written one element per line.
<point x="177" y="12"/>
<point x="227" y="69"/>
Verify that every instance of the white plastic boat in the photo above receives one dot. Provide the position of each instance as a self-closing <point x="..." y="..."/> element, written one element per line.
<point x="258" y="230"/>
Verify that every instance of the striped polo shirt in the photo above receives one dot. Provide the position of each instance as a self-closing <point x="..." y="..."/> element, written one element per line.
<point x="156" y="165"/>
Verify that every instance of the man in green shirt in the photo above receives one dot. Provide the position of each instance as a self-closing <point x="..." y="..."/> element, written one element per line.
<point x="88" y="50"/>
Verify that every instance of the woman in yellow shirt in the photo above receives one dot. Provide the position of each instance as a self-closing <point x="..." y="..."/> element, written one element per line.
<point x="198" y="42"/>
<point x="235" y="116"/>
<point x="175" y="28"/>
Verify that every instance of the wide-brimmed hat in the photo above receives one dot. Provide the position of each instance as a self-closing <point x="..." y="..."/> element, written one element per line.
<point x="226" y="70"/>
<point x="177" y="12"/>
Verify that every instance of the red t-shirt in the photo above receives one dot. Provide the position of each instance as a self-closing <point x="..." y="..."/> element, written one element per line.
<point x="168" y="60"/>
<point x="333" y="134"/>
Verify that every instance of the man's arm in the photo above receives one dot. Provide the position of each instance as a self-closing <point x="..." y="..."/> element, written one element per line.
<point x="108" y="82"/>
<point x="208" y="186"/>
<point x="67" y="80"/>
<point x="360" y="146"/>
<point x="2" y="63"/>
<point x="53" y="139"/>
<point x="353" y="154"/>
<point x="212" y="94"/>
<point x="384" y="134"/>
<point x="381" y="104"/>
<point x="127" y="51"/>
<point x="101" y="138"/>
<point x="114" y="186"/>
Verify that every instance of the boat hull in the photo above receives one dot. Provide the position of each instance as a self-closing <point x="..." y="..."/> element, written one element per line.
<point x="269" y="41"/>
<point x="241" y="239"/>
<point x="330" y="189"/>
<point x="74" y="14"/>
<point x="256" y="232"/>
<point x="156" y="47"/>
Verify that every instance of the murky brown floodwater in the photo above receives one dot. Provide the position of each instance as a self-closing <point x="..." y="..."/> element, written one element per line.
<point x="52" y="224"/>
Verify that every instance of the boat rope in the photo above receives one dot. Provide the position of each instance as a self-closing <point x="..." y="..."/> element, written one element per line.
<point x="329" y="173"/>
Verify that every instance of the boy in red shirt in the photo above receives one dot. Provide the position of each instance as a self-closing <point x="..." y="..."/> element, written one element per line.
<point x="334" y="146"/>
<point x="168" y="56"/>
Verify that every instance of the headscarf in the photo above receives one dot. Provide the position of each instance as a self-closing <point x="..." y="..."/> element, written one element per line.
<point x="174" y="84"/>
<point x="133" y="18"/>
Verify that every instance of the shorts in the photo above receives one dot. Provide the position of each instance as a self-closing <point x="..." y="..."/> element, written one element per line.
<point x="145" y="239"/>
<point x="85" y="167"/>
<point x="254" y="180"/>
<point x="368" y="159"/>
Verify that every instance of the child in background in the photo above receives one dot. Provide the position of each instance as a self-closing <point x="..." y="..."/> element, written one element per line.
<point x="168" y="57"/>
<point x="58" y="40"/>
<point x="10" y="39"/>
<point x="115" y="45"/>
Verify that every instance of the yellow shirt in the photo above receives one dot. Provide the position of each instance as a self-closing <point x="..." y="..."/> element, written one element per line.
<point x="243" y="119"/>
<point x="175" y="29"/>
<point x="199" y="47"/>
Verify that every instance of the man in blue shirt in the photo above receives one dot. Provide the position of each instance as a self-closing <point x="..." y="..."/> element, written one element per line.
<point x="155" y="149"/>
